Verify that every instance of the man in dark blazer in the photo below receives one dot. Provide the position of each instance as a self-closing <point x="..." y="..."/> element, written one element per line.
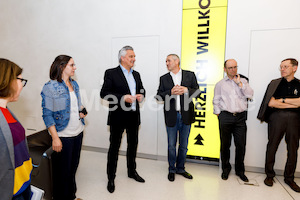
<point x="177" y="89"/>
<point x="280" y="109"/>
<point x="124" y="90"/>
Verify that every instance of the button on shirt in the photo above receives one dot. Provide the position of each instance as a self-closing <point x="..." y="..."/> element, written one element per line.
<point x="131" y="83"/>
<point x="287" y="89"/>
<point x="177" y="81"/>
<point x="228" y="96"/>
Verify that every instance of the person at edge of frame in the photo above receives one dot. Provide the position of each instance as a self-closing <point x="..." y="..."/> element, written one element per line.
<point x="280" y="108"/>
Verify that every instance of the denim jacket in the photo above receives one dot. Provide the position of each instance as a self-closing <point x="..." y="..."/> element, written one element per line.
<point x="56" y="103"/>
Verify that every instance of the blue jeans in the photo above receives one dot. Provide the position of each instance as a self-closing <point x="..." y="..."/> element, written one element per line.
<point x="184" y="132"/>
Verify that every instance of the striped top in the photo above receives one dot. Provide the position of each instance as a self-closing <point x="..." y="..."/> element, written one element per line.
<point x="23" y="163"/>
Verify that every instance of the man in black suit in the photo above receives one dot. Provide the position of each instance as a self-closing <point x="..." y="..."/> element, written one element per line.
<point x="177" y="89"/>
<point x="124" y="90"/>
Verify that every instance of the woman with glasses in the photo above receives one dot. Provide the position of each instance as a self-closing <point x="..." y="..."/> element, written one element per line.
<point x="63" y="115"/>
<point x="15" y="162"/>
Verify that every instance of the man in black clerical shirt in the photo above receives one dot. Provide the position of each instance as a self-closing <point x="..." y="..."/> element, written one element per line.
<point x="280" y="109"/>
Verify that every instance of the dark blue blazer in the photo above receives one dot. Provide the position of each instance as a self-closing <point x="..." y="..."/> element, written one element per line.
<point x="115" y="84"/>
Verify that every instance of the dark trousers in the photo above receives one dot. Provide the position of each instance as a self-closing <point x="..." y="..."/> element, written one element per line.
<point x="25" y="195"/>
<point x="116" y="132"/>
<point x="283" y="122"/>
<point x="64" y="165"/>
<point x="233" y="125"/>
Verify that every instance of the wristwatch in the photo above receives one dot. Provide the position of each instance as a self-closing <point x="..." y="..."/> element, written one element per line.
<point x="283" y="100"/>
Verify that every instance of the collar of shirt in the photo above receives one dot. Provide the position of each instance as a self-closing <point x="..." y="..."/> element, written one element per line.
<point x="178" y="73"/>
<point x="232" y="81"/>
<point x="295" y="80"/>
<point x="125" y="70"/>
<point x="227" y="78"/>
<point x="176" y="77"/>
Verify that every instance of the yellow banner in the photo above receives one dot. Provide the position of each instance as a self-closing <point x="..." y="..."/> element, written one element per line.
<point x="203" y="52"/>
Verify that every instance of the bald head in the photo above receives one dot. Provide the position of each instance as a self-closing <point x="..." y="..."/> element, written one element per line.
<point x="230" y="67"/>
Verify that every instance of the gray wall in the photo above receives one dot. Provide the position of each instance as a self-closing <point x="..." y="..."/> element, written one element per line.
<point x="34" y="32"/>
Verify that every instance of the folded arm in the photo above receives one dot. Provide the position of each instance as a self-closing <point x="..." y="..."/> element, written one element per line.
<point x="278" y="103"/>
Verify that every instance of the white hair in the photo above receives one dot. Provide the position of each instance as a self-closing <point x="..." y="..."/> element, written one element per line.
<point x="123" y="52"/>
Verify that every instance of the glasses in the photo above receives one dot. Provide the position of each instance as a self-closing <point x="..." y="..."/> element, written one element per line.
<point x="284" y="67"/>
<point x="231" y="68"/>
<point x="23" y="81"/>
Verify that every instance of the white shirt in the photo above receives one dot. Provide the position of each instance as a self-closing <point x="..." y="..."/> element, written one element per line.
<point x="177" y="81"/>
<point x="75" y="125"/>
<point x="228" y="96"/>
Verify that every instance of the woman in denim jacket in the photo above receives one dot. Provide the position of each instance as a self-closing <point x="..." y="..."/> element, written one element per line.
<point x="63" y="117"/>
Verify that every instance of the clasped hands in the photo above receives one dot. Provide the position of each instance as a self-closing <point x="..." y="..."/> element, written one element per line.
<point x="130" y="98"/>
<point x="179" y="90"/>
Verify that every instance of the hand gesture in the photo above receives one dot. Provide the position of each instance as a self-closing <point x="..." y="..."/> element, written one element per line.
<point x="139" y="97"/>
<point x="237" y="80"/>
<point x="179" y="90"/>
<point x="129" y="98"/>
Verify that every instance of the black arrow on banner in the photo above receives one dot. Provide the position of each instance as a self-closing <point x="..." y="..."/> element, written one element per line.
<point x="199" y="140"/>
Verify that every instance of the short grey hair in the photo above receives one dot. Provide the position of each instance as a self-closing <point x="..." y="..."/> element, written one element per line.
<point x="175" y="57"/>
<point x="123" y="52"/>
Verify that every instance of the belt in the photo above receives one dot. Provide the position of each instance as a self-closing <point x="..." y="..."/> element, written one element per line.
<point x="234" y="114"/>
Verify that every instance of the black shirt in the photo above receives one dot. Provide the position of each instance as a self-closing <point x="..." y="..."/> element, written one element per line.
<point x="287" y="89"/>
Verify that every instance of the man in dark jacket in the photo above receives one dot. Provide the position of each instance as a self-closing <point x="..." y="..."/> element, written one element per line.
<point x="124" y="90"/>
<point x="177" y="88"/>
<point x="280" y="109"/>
